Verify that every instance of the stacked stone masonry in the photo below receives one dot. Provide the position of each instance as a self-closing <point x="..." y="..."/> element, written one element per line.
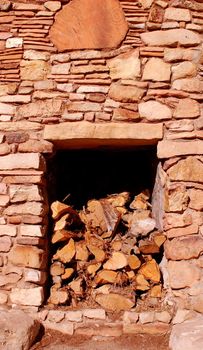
<point x="152" y="77"/>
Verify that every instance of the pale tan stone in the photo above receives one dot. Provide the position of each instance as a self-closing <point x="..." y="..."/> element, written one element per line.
<point x="53" y="5"/>
<point x="176" y="199"/>
<point x="189" y="169"/>
<point x="124" y="93"/>
<point x="146" y="317"/>
<point x="14" y="42"/>
<point x="88" y="134"/>
<point x="64" y="327"/>
<point x="130" y="316"/>
<point x="20" y="161"/>
<point x="5" y="244"/>
<point x="7" y="108"/>
<point x="183" y="231"/>
<point x="31" y="296"/>
<point x="180" y="54"/>
<point x="86" y="24"/>
<point x="170" y="37"/>
<point x="40" y="109"/>
<point x="20" y="193"/>
<point x="125" y="66"/>
<point x="61" y="68"/>
<point x="188" y="84"/>
<point x="154" y="110"/>
<point x="27" y="256"/>
<point x="99" y="314"/>
<point x="3" y="298"/>
<point x="163" y="316"/>
<point x="182" y="125"/>
<point x="74" y="316"/>
<point x="34" y="70"/>
<point x="35" y="55"/>
<point x="146" y="3"/>
<point x="35" y="276"/>
<point x="8" y="230"/>
<point x="45" y="85"/>
<point x="167" y="149"/>
<point x="173" y="220"/>
<point x="182" y="274"/>
<point x="177" y="14"/>
<point x="184" y="248"/>
<point x="29" y="208"/>
<point x="187" y="108"/>
<point x="196" y="199"/>
<point x="36" y="146"/>
<point x="20" y="125"/>
<point x="31" y="230"/>
<point x="157" y="70"/>
<point x="184" y="70"/>
<point x="85" y="106"/>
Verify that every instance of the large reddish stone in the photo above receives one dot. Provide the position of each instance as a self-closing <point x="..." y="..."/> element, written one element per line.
<point x="189" y="169"/>
<point x="182" y="274"/>
<point x="89" y="24"/>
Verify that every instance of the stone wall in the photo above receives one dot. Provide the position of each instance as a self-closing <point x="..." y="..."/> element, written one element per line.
<point x="152" y="77"/>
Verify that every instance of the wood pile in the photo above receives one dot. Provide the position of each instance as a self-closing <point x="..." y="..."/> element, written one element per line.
<point x="105" y="253"/>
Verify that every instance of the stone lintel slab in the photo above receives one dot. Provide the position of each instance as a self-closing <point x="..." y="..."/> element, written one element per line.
<point x="168" y="149"/>
<point x="88" y="135"/>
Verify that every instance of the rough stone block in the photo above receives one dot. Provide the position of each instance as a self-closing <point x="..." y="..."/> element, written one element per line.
<point x="21" y="193"/>
<point x="8" y="230"/>
<point x="74" y="316"/>
<point x="34" y="70"/>
<point x="157" y="70"/>
<point x="168" y="149"/>
<point x="20" y="161"/>
<point x="27" y="256"/>
<point x="95" y="313"/>
<point x="31" y="230"/>
<point x="154" y="110"/>
<point x="170" y="37"/>
<point x="184" y="248"/>
<point x="28" y="208"/>
<point x="5" y="244"/>
<point x="29" y="297"/>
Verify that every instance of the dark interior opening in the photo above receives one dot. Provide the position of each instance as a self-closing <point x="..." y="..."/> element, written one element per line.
<point x="86" y="174"/>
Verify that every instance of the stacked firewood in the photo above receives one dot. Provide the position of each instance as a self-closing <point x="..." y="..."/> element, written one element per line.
<point x="105" y="253"/>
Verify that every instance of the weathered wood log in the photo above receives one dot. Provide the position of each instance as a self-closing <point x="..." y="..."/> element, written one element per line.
<point x="118" y="200"/>
<point x="114" y="302"/>
<point x="66" y="253"/>
<point x="155" y="291"/>
<point x="101" y="215"/>
<point x="117" y="261"/>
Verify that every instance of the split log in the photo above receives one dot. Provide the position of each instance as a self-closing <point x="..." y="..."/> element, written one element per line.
<point x="116" y="262"/>
<point x="68" y="273"/>
<point x="57" y="269"/>
<point x="134" y="262"/>
<point x="105" y="276"/>
<point x="159" y="238"/>
<point x="64" y="235"/>
<point x="93" y="268"/>
<point x="114" y="302"/>
<point x="98" y="253"/>
<point x="140" y="201"/>
<point x="81" y="251"/>
<point x="66" y="253"/>
<point x="59" y="209"/>
<point x="76" y="286"/>
<point x="150" y="270"/>
<point x="116" y="245"/>
<point x="118" y="200"/>
<point x="148" y="247"/>
<point x="155" y="291"/>
<point x="141" y="283"/>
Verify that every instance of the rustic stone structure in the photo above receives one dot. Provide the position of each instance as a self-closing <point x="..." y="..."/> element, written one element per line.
<point x="142" y="88"/>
